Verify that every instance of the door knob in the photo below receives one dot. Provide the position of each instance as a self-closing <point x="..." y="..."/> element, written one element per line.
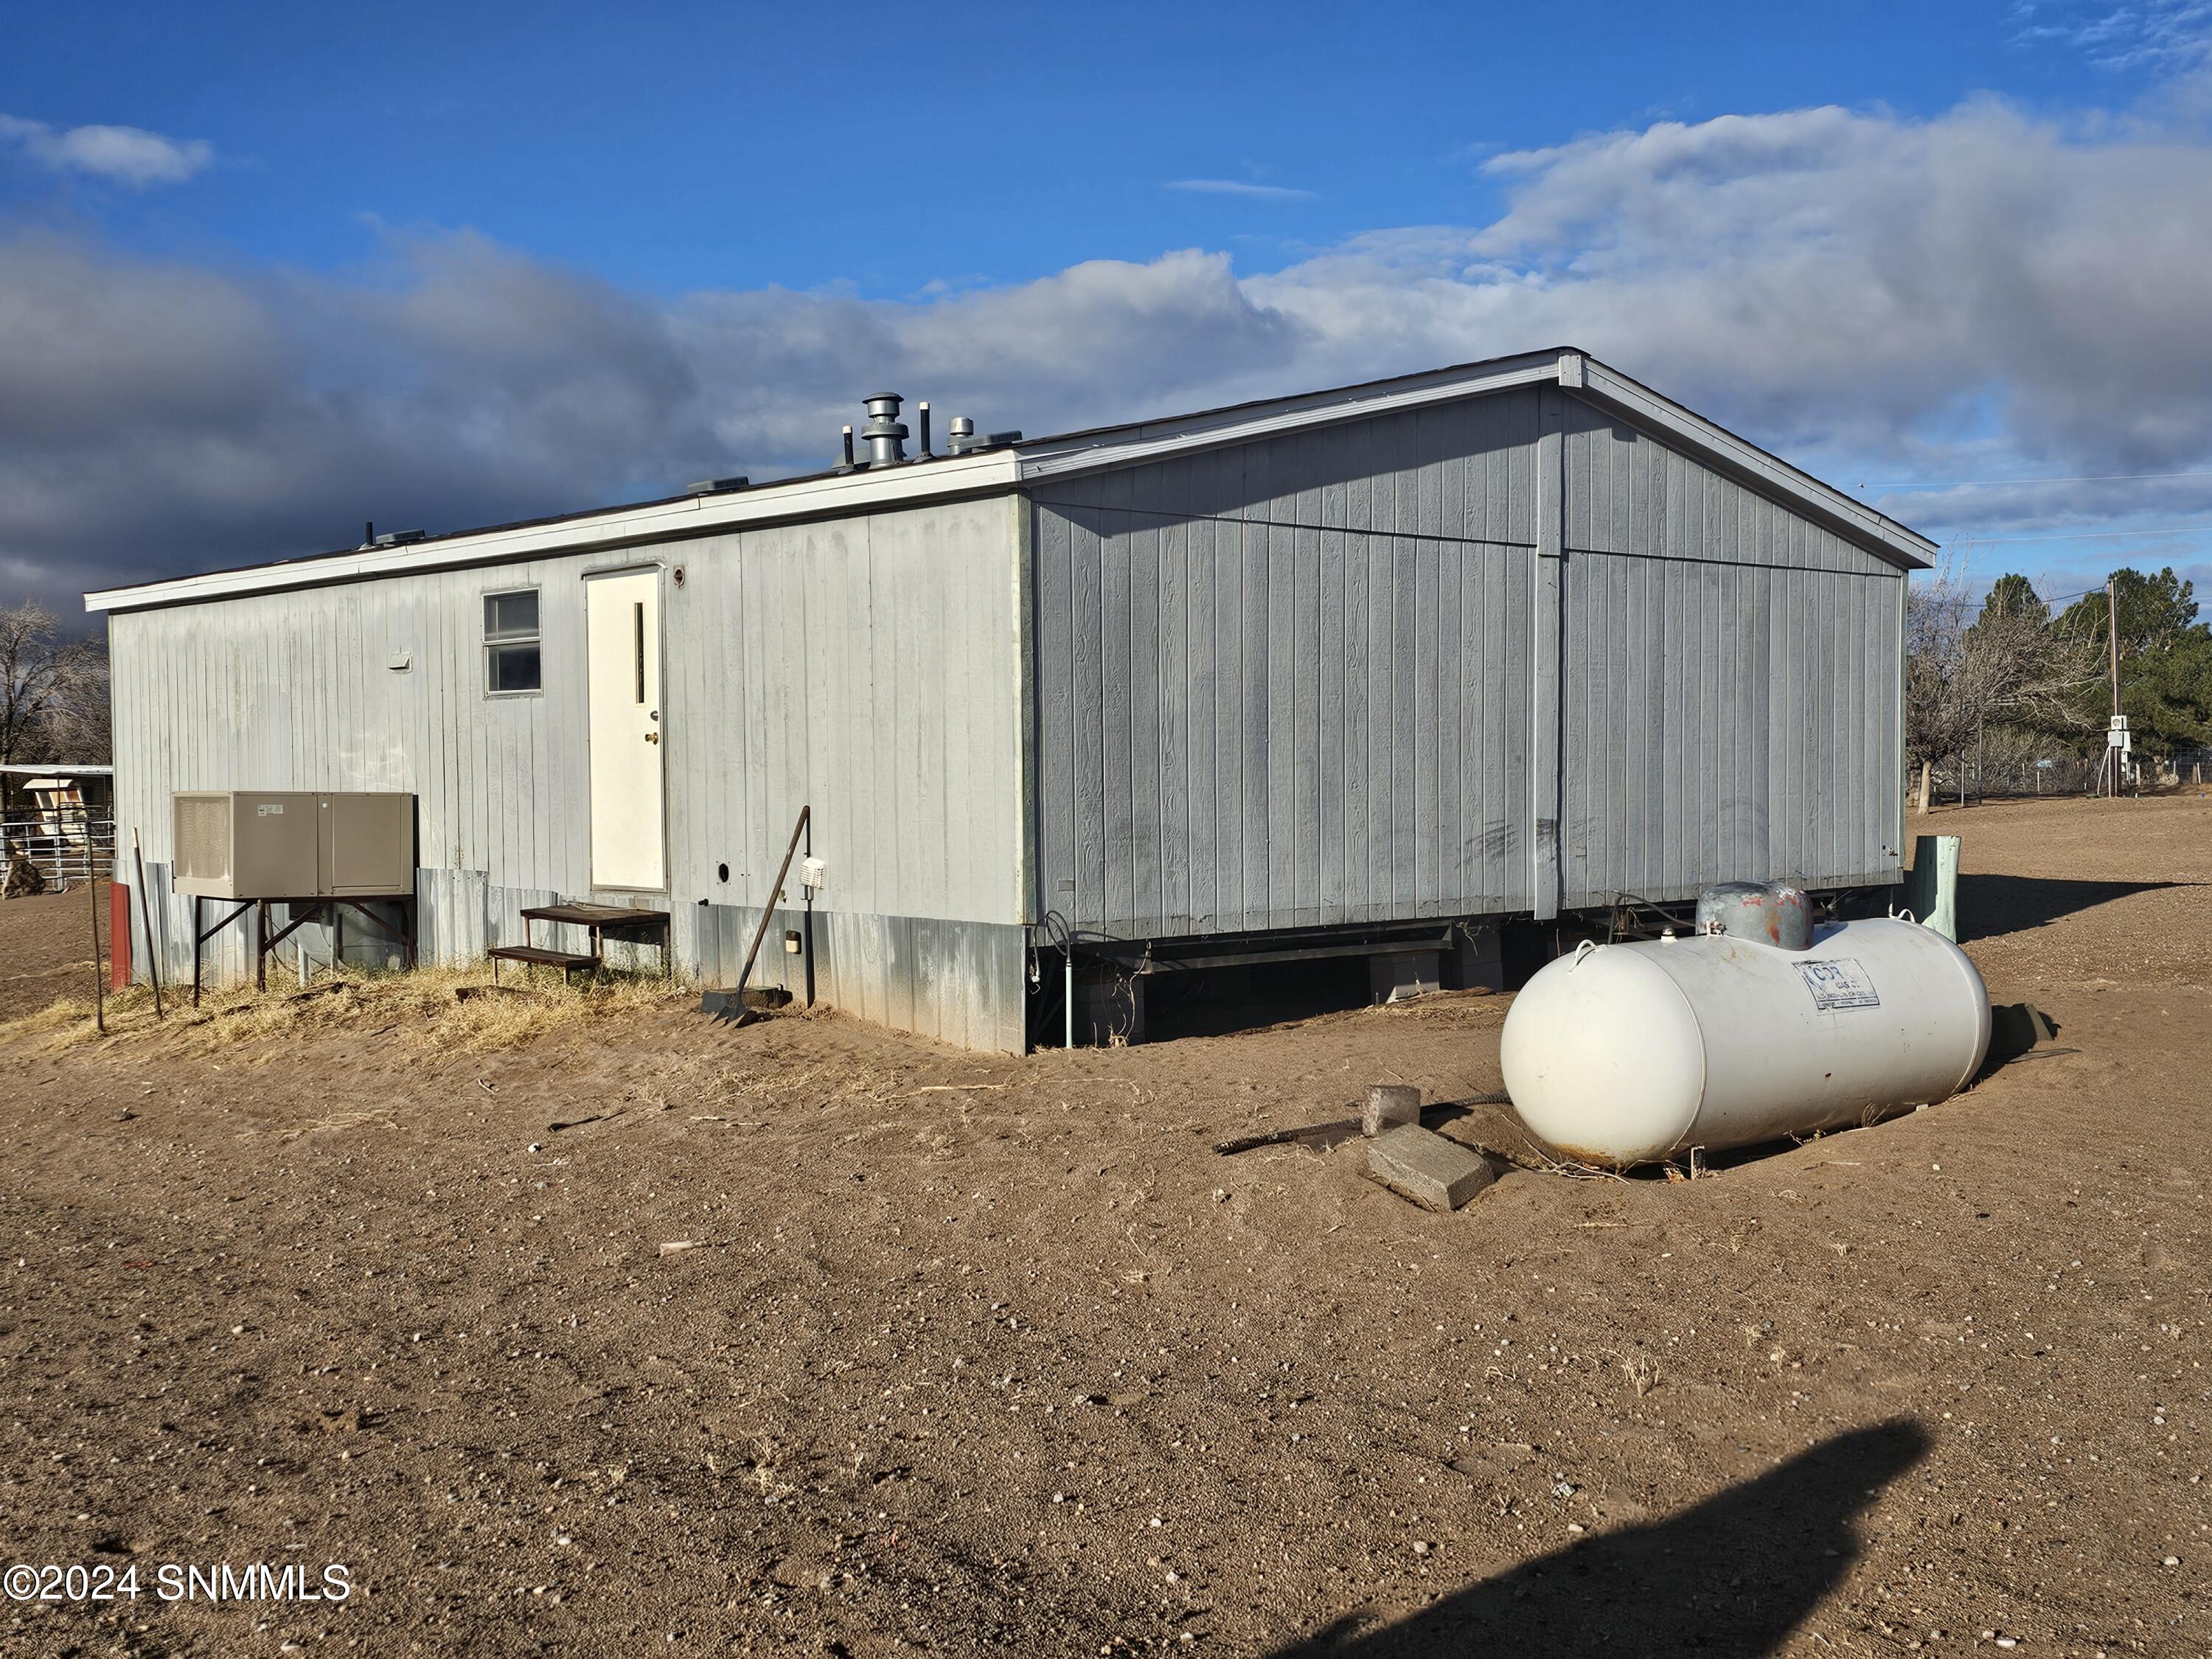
<point x="653" y="737"/>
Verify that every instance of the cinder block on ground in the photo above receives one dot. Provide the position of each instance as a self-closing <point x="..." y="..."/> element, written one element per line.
<point x="1394" y="975"/>
<point x="1389" y="1105"/>
<point x="1424" y="1166"/>
<point x="1477" y="961"/>
<point x="1109" y="1008"/>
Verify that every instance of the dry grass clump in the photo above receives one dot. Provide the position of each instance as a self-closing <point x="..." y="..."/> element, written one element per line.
<point x="450" y="1010"/>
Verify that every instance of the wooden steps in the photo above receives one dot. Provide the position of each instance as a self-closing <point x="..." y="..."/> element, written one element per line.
<point x="540" y="957"/>
<point x="601" y="921"/>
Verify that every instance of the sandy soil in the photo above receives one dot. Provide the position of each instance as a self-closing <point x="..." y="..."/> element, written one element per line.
<point x="46" y="949"/>
<point x="968" y="1355"/>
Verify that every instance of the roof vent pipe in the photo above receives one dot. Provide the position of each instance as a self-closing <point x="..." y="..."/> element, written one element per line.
<point x="925" y="455"/>
<point x="885" y="432"/>
<point x="963" y="437"/>
<point x="847" y="464"/>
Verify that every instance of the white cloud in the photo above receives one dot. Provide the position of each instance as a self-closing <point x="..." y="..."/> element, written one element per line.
<point x="2154" y="34"/>
<point x="125" y="155"/>
<point x="1984" y="295"/>
<point x="1239" y="188"/>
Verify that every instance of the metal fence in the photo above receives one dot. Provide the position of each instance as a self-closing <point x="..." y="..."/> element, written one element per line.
<point x="67" y="846"/>
<point x="2019" y="778"/>
<point x="2188" y="766"/>
<point x="2065" y="774"/>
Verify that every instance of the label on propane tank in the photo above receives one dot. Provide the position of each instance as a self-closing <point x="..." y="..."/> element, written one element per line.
<point x="1838" y="982"/>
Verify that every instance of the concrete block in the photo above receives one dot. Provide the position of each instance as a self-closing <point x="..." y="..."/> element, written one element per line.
<point x="1424" y="1166"/>
<point x="1109" y="1008"/>
<point x="1477" y="961"/>
<point x="1389" y="1105"/>
<point x="1394" y="975"/>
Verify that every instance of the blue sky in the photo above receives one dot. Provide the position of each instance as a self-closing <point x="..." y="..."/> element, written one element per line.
<point x="264" y="274"/>
<point x="673" y="147"/>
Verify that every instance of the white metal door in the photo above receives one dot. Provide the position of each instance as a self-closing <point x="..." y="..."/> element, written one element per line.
<point x="622" y="618"/>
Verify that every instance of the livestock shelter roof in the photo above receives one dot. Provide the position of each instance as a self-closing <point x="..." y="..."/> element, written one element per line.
<point x="839" y="494"/>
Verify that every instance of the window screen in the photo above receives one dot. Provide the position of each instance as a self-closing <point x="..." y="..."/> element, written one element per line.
<point x="510" y="654"/>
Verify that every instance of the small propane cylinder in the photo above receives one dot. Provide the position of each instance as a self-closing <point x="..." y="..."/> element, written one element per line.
<point x="1774" y="911"/>
<point x="1626" y="1054"/>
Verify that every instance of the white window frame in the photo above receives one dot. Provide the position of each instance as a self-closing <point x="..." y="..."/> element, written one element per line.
<point x="496" y="641"/>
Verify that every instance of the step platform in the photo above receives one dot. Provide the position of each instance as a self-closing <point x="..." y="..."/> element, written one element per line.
<point x="539" y="956"/>
<point x="601" y="921"/>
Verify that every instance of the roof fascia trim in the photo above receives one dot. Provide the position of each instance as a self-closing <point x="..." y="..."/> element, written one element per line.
<point x="691" y="516"/>
<point x="1222" y="434"/>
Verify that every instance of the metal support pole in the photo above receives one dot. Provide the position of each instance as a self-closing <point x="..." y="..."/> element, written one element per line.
<point x="99" y="971"/>
<point x="261" y="945"/>
<point x="809" y="892"/>
<point x="198" y="934"/>
<point x="2113" y="633"/>
<point x="146" y="921"/>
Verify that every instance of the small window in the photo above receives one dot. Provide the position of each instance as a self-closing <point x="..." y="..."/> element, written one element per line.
<point x="511" y="660"/>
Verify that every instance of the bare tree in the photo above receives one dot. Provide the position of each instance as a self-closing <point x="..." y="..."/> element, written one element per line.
<point x="53" y="690"/>
<point x="2004" y="663"/>
<point x="79" y="725"/>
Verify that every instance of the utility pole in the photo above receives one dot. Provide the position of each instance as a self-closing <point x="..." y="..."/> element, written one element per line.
<point x="2113" y="631"/>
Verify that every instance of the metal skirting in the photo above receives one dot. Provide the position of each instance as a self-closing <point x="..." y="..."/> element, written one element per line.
<point x="961" y="982"/>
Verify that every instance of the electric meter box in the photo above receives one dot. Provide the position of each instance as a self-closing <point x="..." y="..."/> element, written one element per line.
<point x="287" y="844"/>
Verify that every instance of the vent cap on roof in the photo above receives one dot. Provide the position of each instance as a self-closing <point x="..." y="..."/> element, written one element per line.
<point x="964" y="440"/>
<point x="885" y="433"/>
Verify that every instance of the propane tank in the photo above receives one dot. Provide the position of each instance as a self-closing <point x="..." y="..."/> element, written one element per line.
<point x="1628" y="1053"/>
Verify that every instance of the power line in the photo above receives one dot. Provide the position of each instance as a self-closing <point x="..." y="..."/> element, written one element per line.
<point x="2081" y="536"/>
<point x="2093" y="477"/>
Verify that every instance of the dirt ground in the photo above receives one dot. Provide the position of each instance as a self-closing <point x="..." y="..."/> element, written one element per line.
<point x="46" y="949"/>
<point x="968" y="1355"/>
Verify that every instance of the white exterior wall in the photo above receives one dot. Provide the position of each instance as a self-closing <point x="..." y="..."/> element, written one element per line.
<point x="868" y="666"/>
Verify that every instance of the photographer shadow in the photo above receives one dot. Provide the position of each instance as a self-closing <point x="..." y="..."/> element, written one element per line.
<point x="1730" y="1578"/>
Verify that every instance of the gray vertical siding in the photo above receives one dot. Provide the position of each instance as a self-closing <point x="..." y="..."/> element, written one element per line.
<point x="1285" y="684"/>
<point x="867" y="665"/>
<point x="1731" y="677"/>
<point x="1296" y="682"/>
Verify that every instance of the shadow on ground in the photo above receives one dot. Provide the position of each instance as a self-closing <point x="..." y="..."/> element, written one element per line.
<point x="1728" y="1579"/>
<point x="1991" y="905"/>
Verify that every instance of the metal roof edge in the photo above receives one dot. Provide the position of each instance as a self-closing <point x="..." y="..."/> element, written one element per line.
<point x="823" y="494"/>
<point x="1109" y="448"/>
